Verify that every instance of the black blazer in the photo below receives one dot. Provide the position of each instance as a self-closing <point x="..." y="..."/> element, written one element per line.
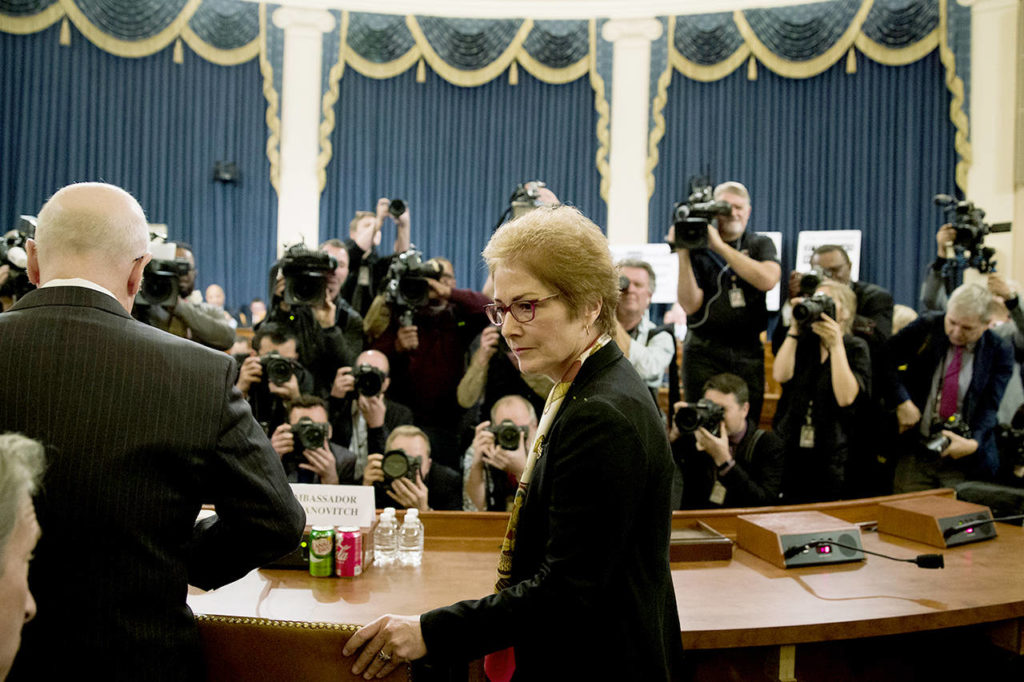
<point x="918" y="350"/>
<point x="141" y="428"/>
<point x="590" y="572"/>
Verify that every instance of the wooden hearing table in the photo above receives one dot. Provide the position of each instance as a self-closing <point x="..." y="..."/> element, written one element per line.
<point x="724" y="606"/>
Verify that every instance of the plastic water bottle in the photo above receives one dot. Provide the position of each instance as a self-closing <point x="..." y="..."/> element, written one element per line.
<point x="385" y="539"/>
<point x="410" y="539"/>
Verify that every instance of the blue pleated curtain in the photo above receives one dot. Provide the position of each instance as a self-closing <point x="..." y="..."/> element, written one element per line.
<point x="77" y="113"/>
<point x="860" y="151"/>
<point x="455" y="155"/>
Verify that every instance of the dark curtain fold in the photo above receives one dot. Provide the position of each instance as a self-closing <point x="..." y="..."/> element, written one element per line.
<point x="863" y="151"/>
<point x="71" y="114"/>
<point x="455" y="155"/>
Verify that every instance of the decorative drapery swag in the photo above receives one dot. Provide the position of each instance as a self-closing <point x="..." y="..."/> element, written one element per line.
<point x="794" y="42"/>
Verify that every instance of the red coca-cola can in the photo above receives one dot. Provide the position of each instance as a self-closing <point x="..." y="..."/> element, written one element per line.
<point x="348" y="552"/>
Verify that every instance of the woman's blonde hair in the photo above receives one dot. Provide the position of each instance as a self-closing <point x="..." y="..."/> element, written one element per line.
<point x="844" y="296"/>
<point x="566" y="251"/>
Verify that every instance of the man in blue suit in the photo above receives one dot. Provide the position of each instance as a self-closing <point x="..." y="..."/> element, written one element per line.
<point x="950" y="366"/>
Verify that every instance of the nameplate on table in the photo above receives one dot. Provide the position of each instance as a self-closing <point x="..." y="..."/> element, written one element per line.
<point x="336" y="505"/>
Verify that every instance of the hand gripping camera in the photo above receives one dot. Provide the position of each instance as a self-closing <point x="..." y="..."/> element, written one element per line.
<point x="691" y="219"/>
<point x="397" y="464"/>
<point x="703" y="413"/>
<point x="369" y="380"/>
<point x="812" y="308"/>
<point x="277" y="368"/>
<point x="936" y="442"/>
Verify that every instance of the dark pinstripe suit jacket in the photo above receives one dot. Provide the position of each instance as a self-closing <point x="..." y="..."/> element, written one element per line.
<point x="140" y="429"/>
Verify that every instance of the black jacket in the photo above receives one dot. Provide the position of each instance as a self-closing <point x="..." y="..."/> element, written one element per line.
<point x="591" y="560"/>
<point x="141" y="428"/>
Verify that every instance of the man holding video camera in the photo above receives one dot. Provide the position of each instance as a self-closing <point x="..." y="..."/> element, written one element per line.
<point x="953" y="371"/>
<point x="406" y="476"/>
<point x="367" y="268"/>
<point x="722" y="287"/>
<point x="177" y="313"/>
<point x="722" y="458"/>
<point x="305" y="448"/>
<point x="495" y="461"/>
<point x="361" y="413"/>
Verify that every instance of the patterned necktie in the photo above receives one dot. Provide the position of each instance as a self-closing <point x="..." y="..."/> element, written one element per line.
<point x="951" y="385"/>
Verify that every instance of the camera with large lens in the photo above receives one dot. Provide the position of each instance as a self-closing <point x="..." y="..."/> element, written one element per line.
<point x="407" y="285"/>
<point x="969" y="223"/>
<point x="309" y="434"/>
<point x="702" y="413"/>
<point x="506" y="434"/>
<point x="277" y="368"/>
<point x="160" y="282"/>
<point x="813" y="307"/>
<point x="369" y="380"/>
<point x="396" y="207"/>
<point x="396" y="464"/>
<point x="935" y="442"/>
<point x="13" y="254"/>
<point x="305" y="275"/>
<point x="690" y="219"/>
<point x="809" y="282"/>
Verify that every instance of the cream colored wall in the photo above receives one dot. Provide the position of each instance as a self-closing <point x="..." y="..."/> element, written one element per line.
<point x="990" y="181"/>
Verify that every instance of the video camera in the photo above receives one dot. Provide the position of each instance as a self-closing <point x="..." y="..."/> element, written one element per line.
<point x="812" y="308"/>
<point x="406" y="283"/>
<point x="160" y="284"/>
<point x="935" y="442"/>
<point x="691" y="218"/>
<point x="506" y="434"/>
<point x="971" y="228"/>
<point x="309" y="434"/>
<point x="396" y="464"/>
<point x="369" y="380"/>
<point x="305" y="274"/>
<point x="13" y="254"/>
<point x="702" y="413"/>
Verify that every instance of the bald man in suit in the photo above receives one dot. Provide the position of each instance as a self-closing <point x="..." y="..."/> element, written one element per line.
<point x="141" y="428"/>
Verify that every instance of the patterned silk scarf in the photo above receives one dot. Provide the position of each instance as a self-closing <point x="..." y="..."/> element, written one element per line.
<point x="500" y="665"/>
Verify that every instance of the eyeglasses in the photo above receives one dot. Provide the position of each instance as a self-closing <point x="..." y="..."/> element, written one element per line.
<point x="521" y="311"/>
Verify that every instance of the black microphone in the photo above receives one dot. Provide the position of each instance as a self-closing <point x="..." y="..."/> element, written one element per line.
<point x="922" y="560"/>
<point x="950" y="532"/>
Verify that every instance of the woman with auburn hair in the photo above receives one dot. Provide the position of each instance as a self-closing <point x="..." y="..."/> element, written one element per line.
<point x="823" y="370"/>
<point x="585" y="557"/>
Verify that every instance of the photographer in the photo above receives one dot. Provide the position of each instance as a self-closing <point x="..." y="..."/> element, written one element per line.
<point x="367" y="268"/>
<point x="361" y="413"/>
<point x="823" y="370"/>
<point x="727" y="462"/>
<point x="722" y="289"/>
<point x="200" y="322"/>
<point x="424" y="484"/>
<point x="300" y="301"/>
<point x="428" y="356"/>
<point x="494" y="463"/>
<point x="272" y="375"/>
<point x="1006" y="320"/>
<point x="649" y="349"/>
<point x="951" y="366"/>
<point x="307" y="434"/>
<point x="871" y="458"/>
<point x="346" y="318"/>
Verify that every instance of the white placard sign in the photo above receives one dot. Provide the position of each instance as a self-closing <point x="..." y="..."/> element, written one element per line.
<point x="808" y="240"/>
<point x="771" y="299"/>
<point x="336" y="505"/>
<point x="661" y="258"/>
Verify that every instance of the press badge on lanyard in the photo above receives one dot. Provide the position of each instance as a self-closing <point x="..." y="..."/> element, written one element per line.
<point x="807" y="430"/>
<point x="717" y="493"/>
<point x="736" y="299"/>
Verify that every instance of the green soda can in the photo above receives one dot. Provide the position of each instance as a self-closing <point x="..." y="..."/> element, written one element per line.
<point x="321" y="551"/>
